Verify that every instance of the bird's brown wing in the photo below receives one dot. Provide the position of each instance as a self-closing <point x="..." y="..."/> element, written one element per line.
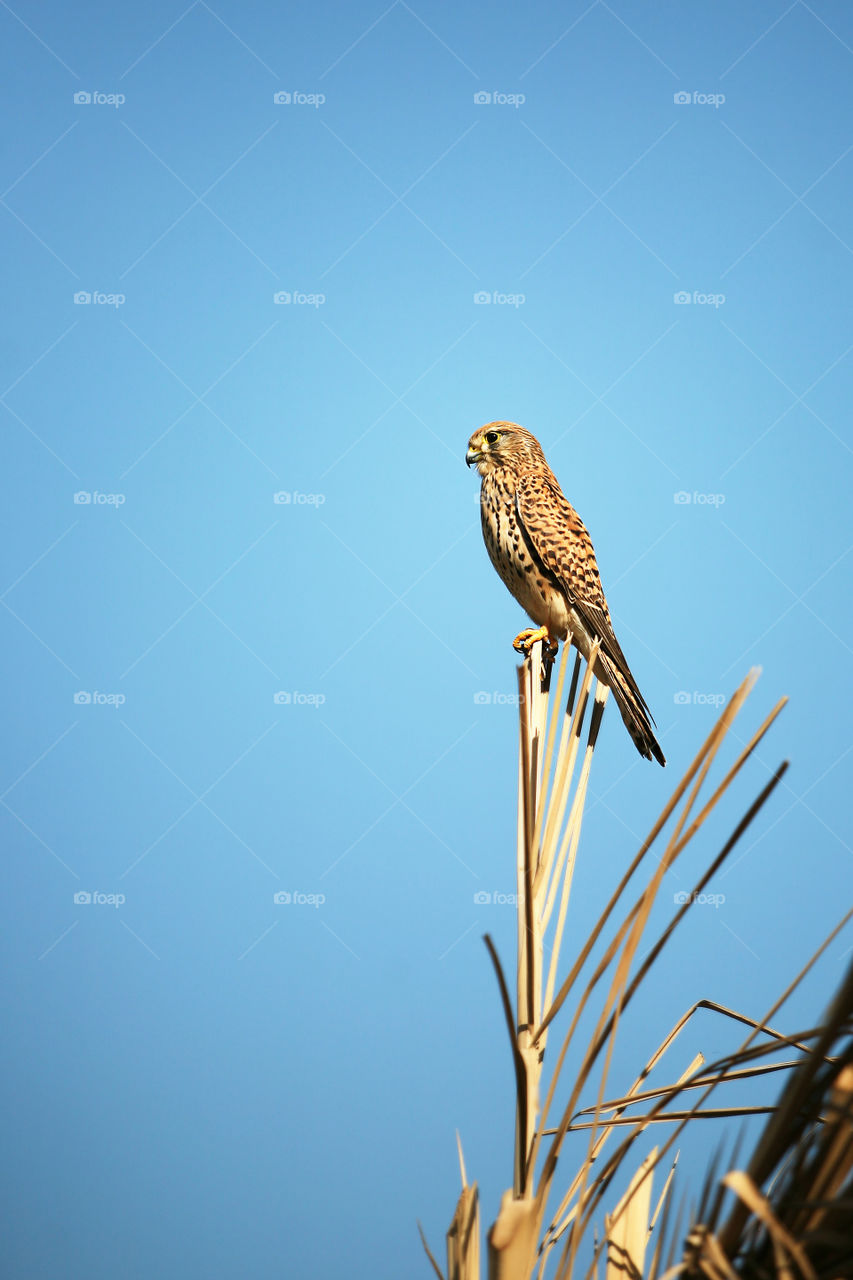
<point x="557" y="539"/>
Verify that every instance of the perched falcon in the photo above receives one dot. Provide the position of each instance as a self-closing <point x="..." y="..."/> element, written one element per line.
<point x="542" y="551"/>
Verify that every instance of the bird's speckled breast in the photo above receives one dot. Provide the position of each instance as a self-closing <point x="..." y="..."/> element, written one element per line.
<point x="511" y="556"/>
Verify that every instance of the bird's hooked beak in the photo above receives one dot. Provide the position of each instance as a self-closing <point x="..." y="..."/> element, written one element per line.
<point x="473" y="456"/>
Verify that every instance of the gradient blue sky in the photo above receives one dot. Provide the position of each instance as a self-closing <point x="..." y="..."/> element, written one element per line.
<point x="203" y="1081"/>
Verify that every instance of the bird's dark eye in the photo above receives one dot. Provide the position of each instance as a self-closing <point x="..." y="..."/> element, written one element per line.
<point x="492" y="437"/>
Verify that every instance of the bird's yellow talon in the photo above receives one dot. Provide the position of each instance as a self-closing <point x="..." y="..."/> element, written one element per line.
<point x="525" y="640"/>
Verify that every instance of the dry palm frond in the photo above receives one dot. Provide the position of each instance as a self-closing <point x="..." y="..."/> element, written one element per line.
<point x="793" y="1212"/>
<point x="543" y="812"/>
<point x="555" y="758"/>
<point x="463" y="1238"/>
<point x="627" y="1231"/>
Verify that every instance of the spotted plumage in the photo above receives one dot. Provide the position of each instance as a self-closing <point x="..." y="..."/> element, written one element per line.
<point x="543" y="553"/>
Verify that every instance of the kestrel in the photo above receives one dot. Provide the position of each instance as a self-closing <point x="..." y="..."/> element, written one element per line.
<point x="542" y="551"/>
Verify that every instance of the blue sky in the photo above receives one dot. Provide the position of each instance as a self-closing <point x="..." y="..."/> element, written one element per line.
<point x="214" y="697"/>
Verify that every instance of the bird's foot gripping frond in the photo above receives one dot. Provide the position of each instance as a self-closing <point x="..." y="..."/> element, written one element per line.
<point x="525" y="640"/>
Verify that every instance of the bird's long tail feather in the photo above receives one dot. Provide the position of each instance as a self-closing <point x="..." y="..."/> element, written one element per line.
<point x="635" y="714"/>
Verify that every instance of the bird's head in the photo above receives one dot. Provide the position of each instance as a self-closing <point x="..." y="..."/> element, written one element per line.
<point x="503" y="444"/>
